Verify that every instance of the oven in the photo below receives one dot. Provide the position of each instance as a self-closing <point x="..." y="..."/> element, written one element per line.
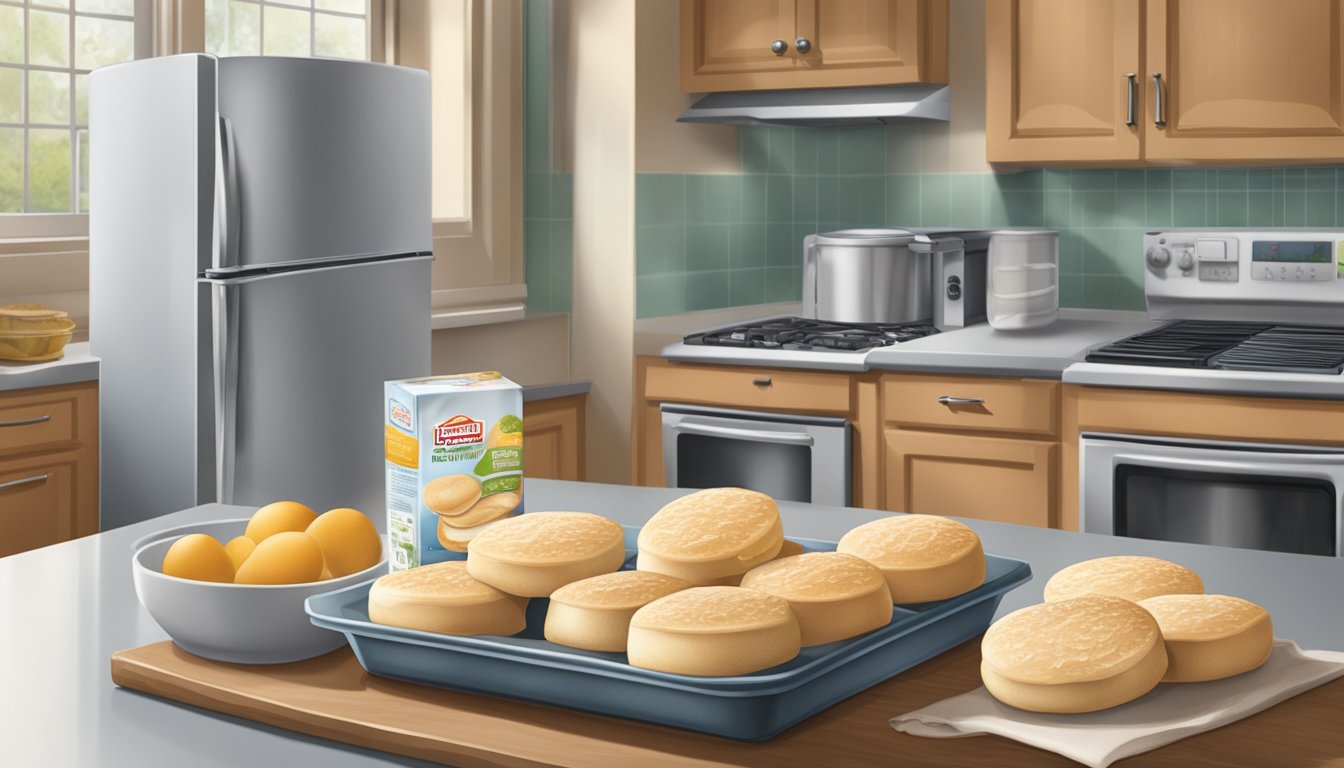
<point x="788" y="456"/>
<point x="1277" y="498"/>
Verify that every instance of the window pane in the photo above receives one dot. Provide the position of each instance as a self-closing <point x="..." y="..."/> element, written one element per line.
<point x="244" y="29"/>
<point x="11" y="34"/>
<point x="99" y="42"/>
<point x="300" y="3"/>
<point x="216" y="26"/>
<point x="49" y="98"/>
<point x="339" y="36"/>
<point x="122" y="7"/>
<point x="11" y="169"/>
<point x="344" y="6"/>
<point x="48" y="170"/>
<point x="286" y="32"/>
<point x="81" y="99"/>
<point x="11" y="95"/>
<point x="48" y="39"/>
<point x="57" y="3"/>
<point x="84" y="171"/>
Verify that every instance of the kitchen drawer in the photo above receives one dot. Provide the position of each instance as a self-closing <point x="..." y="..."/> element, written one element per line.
<point x="1020" y="406"/>
<point x="750" y="388"/>
<point x="46" y="419"/>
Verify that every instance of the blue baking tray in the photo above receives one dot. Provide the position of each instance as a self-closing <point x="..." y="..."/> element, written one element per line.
<point x="751" y="707"/>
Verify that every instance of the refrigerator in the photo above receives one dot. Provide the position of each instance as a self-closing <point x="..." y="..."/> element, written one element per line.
<point x="259" y="264"/>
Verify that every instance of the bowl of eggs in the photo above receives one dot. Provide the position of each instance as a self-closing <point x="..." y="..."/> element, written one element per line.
<point x="233" y="590"/>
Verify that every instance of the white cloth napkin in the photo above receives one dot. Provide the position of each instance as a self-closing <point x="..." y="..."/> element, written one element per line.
<point x="1169" y="713"/>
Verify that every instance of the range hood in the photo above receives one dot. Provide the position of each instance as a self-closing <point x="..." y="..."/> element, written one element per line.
<point x="822" y="106"/>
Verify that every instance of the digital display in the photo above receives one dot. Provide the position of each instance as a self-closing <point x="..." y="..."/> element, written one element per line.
<point x="1291" y="251"/>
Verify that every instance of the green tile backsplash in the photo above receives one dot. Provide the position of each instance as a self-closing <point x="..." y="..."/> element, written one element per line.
<point x="548" y="208"/>
<point x="706" y="241"/>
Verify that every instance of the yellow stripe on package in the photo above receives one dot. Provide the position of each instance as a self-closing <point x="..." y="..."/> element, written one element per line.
<point x="454" y="449"/>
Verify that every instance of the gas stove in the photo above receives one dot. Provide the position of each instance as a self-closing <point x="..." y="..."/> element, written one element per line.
<point x="1253" y="312"/>
<point x="799" y="333"/>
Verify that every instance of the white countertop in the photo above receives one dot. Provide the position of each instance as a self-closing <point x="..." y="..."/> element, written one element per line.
<point x="68" y="607"/>
<point x="74" y="366"/>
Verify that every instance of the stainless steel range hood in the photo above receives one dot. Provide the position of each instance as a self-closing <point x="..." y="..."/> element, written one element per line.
<point x="822" y="106"/>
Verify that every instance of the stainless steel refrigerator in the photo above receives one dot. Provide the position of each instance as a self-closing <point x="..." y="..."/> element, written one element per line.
<point x="259" y="263"/>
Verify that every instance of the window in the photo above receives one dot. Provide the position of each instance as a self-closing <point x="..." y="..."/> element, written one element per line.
<point x="47" y="48"/>
<point x="333" y="28"/>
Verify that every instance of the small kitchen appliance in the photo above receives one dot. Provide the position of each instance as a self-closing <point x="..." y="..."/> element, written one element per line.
<point x="1251" y="312"/>
<point x="1023" y="276"/>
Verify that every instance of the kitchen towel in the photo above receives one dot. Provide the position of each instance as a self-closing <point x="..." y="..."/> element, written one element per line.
<point x="1168" y="713"/>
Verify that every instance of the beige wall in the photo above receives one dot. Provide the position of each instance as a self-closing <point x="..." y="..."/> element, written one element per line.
<point x="530" y="351"/>
<point x="50" y="275"/>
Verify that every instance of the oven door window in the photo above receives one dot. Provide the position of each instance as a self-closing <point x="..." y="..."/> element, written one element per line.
<point x="1276" y="514"/>
<point x="781" y="471"/>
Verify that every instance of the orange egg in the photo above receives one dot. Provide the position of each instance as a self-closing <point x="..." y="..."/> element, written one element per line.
<point x="288" y="557"/>
<point x="200" y="557"/>
<point x="348" y="539"/>
<point x="239" y="548"/>
<point x="276" y="517"/>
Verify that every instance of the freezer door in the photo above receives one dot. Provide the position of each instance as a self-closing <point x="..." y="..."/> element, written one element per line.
<point x="321" y="159"/>
<point x="300" y="361"/>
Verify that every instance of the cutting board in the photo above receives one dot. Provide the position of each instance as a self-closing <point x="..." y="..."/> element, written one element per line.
<point x="332" y="697"/>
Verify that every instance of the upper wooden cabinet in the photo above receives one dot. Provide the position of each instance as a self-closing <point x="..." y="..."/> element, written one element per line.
<point x="729" y="45"/>
<point x="1214" y="80"/>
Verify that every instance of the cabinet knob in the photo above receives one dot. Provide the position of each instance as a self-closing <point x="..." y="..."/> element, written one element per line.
<point x="802" y="45"/>
<point x="779" y="47"/>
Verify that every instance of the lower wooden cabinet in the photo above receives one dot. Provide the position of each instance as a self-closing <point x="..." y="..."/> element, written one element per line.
<point x="988" y="478"/>
<point x="553" y="443"/>
<point x="48" y="465"/>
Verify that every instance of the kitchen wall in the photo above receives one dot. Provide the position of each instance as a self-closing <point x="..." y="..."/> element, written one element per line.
<point x="548" y="202"/>
<point x="732" y="236"/>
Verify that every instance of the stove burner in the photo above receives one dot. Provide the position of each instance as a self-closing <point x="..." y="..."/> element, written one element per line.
<point x="802" y="333"/>
<point x="1231" y="346"/>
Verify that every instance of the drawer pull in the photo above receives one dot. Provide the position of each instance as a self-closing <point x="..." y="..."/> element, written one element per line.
<point x="26" y="422"/>
<point x="24" y="481"/>
<point x="949" y="400"/>
<point x="763" y="381"/>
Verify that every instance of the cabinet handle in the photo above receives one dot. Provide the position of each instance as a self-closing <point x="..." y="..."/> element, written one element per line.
<point x="802" y="45"/>
<point x="26" y="422"/>
<point x="1131" y="80"/>
<point x="1159" y="101"/>
<point x="763" y="382"/>
<point x="779" y="47"/>
<point x="950" y="400"/>
<point x="24" y="481"/>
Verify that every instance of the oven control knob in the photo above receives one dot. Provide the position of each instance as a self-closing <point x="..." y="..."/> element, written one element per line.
<point x="1158" y="257"/>
<point x="954" y="290"/>
<point x="1186" y="261"/>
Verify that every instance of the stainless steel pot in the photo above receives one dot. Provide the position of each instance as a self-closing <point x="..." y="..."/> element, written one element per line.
<point x="866" y="276"/>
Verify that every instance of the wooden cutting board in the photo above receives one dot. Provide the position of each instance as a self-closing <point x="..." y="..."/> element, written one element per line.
<point x="334" y="698"/>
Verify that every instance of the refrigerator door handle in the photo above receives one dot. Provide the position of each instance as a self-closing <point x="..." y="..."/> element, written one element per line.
<point x="226" y="388"/>
<point x="227" y="211"/>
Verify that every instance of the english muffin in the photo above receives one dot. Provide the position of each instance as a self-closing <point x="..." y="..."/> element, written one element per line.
<point x="711" y="536"/>
<point x="488" y="508"/>
<point x="1079" y="655"/>
<point x="1209" y="637"/>
<point x="444" y="598"/>
<point x="535" y="554"/>
<point x="1127" y="576"/>
<point x="451" y="494"/>
<point x="834" y="596"/>
<point x="923" y="557"/>
<point x="713" y="631"/>
<point x="594" y="613"/>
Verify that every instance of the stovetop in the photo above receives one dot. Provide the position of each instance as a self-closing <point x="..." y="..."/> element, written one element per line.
<point x="1232" y="346"/>
<point x="798" y="333"/>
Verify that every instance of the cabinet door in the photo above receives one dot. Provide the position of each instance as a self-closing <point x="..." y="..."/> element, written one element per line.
<point x="38" y="503"/>
<point x="872" y="42"/>
<point x="1057" y="80"/>
<point x="725" y="46"/>
<point x="988" y="478"/>
<point x="1245" y="80"/>
<point x="553" y="438"/>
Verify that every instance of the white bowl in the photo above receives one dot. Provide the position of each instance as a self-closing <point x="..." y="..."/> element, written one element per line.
<point x="240" y="623"/>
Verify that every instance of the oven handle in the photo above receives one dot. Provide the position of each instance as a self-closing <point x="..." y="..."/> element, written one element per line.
<point x="737" y="433"/>
<point x="1268" y="466"/>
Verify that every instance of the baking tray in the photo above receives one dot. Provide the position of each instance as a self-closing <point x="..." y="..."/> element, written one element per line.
<point x="751" y="707"/>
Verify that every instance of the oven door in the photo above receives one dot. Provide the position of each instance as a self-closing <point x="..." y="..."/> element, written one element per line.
<point x="1277" y="498"/>
<point x="799" y="458"/>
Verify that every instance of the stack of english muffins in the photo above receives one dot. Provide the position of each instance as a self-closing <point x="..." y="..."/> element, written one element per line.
<point x="717" y="589"/>
<point x="1111" y="629"/>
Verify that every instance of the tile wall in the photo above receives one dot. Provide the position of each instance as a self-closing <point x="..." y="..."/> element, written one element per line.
<point x="706" y="241"/>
